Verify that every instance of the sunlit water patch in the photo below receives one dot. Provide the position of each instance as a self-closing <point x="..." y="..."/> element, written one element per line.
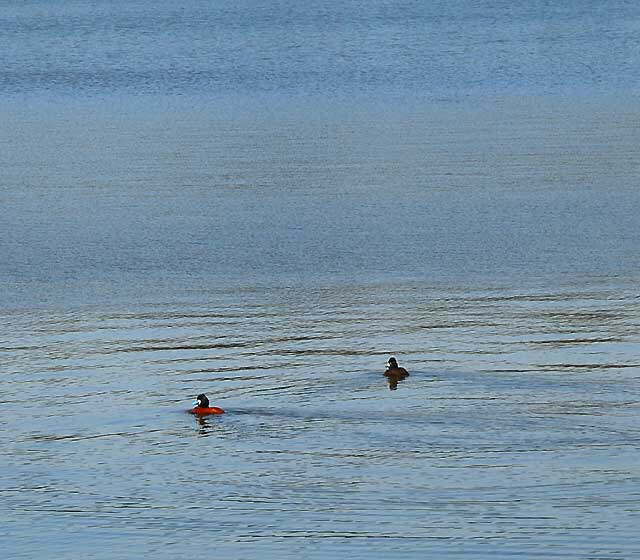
<point x="513" y="435"/>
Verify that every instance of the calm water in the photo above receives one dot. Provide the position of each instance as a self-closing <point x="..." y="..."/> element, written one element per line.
<point x="264" y="202"/>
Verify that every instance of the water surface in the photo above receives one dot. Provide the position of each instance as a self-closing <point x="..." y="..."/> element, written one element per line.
<point x="264" y="202"/>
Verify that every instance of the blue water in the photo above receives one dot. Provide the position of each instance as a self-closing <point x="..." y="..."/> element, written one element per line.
<point x="432" y="49"/>
<point x="264" y="201"/>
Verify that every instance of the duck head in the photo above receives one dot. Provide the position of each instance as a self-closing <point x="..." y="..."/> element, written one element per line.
<point x="201" y="401"/>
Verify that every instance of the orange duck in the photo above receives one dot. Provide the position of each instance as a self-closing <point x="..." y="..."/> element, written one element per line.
<point x="201" y="406"/>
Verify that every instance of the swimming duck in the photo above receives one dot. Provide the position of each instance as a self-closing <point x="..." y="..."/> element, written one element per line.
<point x="395" y="374"/>
<point x="201" y="406"/>
<point x="394" y="370"/>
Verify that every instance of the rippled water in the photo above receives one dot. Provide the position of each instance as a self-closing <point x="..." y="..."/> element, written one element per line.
<point x="514" y="434"/>
<point x="435" y="48"/>
<point x="264" y="202"/>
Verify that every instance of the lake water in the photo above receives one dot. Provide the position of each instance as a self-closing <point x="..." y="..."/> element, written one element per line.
<point x="263" y="202"/>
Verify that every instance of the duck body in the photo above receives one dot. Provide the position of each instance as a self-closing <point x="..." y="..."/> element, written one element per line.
<point x="202" y="410"/>
<point x="202" y="406"/>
